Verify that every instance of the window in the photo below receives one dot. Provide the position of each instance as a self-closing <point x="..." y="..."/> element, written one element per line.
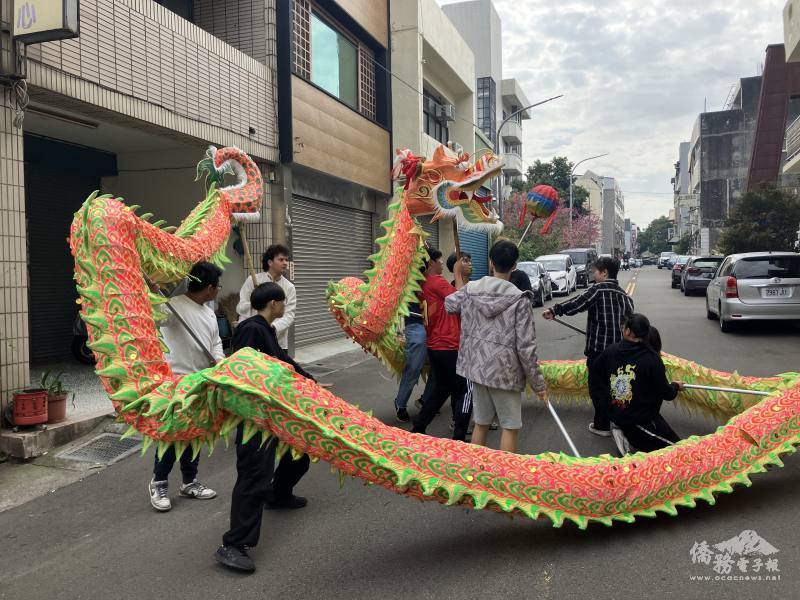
<point x="785" y="267"/>
<point x="324" y="55"/>
<point x="434" y="125"/>
<point x="181" y="8"/>
<point x="334" y="62"/>
<point x="487" y="107"/>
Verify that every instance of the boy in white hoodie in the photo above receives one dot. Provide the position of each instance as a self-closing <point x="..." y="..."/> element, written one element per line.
<point x="498" y="346"/>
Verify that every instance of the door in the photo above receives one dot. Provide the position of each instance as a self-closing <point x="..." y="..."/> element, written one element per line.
<point x="329" y="242"/>
<point x="432" y="229"/>
<point x="476" y="243"/>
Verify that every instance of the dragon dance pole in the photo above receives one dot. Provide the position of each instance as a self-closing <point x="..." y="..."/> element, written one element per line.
<point x="565" y="324"/>
<point x="247" y="255"/>
<point x="524" y="233"/>
<point x="456" y="240"/>
<point x="724" y="389"/>
<point x="563" y="429"/>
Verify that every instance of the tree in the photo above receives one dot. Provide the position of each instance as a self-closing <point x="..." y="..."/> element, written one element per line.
<point x="557" y="173"/>
<point x="765" y="219"/>
<point x="683" y="245"/>
<point x="655" y="238"/>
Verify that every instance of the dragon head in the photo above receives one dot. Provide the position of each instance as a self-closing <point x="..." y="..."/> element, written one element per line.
<point x="449" y="185"/>
<point x="244" y="196"/>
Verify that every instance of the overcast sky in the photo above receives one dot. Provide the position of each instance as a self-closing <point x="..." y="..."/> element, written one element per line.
<point x="635" y="74"/>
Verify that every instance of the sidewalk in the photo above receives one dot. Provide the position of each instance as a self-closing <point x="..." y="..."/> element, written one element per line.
<point x="21" y="482"/>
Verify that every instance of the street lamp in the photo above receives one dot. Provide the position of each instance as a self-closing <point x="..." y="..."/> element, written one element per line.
<point x="571" y="174"/>
<point x="506" y="120"/>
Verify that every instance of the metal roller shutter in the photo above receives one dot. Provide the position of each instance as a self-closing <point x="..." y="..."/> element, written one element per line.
<point x="476" y="243"/>
<point x="432" y="229"/>
<point x="51" y="198"/>
<point x="329" y="242"/>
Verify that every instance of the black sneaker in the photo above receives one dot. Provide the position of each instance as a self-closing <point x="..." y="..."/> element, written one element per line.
<point x="235" y="558"/>
<point x="402" y="415"/>
<point x="289" y="503"/>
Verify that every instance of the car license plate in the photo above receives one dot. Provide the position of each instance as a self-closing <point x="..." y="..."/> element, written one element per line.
<point x="776" y="292"/>
<point x="708" y="275"/>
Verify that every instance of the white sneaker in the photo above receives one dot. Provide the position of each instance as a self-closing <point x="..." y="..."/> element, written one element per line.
<point x="158" y="495"/>
<point x="600" y="432"/>
<point x="197" y="490"/>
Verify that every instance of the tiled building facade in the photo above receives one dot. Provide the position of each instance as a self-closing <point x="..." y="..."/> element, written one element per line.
<point x="130" y="105"/>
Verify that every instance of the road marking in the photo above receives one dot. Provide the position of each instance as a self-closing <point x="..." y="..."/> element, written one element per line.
<point x="631" y="287"/>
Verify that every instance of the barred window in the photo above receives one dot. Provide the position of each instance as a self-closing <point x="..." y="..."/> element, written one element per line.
<point x="367" y="88"/>
<point x="328" y="57"/>
<point x="487" y="107"/>
<point x="301" y="40"/>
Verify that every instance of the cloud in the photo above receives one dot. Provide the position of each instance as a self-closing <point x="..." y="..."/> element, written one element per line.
<point x="634" y="75"/>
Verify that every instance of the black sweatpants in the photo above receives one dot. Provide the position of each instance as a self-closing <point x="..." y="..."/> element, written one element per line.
<point x="254" y="472"/>
<point x="450" y="384"/>
<point x="602" y="412"/>
<point x="162" y="468"/>
<point x="644" y="441"/>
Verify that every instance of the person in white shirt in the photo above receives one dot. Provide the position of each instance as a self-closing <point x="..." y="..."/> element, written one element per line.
<point x="187" y="356"/>
<point x="275" y="263"/>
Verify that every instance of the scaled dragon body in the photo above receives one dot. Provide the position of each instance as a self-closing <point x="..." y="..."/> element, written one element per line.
<point x="114" y="250"/>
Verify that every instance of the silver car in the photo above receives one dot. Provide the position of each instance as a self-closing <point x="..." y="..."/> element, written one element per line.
<point x="698" y="273"/>
<point x="540" y="281"/>
<point x="755" y="286"/>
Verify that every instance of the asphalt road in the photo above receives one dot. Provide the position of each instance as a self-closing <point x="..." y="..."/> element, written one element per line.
<point x="99" y="538"/>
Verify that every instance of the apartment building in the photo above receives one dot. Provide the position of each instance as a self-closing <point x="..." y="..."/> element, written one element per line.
<point x="127" y="107"/>
<point x="335" y="145"/>
<point x="436" y="103"/>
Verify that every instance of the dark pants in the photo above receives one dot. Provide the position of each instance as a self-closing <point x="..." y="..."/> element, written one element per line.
<point x="447" y="383"/>
<point x="643" y="441"/>
<point x="162" y="468"/>
<point x="254" y="472"/>
<point x="602" y="416"/>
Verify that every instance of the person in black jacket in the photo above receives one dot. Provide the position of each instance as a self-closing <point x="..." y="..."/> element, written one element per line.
<point x="254" y="462"/>
<point x="606" y="305"/>
<point x="632" y="381"/>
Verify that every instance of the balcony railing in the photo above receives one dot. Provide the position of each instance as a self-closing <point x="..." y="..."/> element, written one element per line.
<point x="513" y="164"/>
<point x="793" y="139"/>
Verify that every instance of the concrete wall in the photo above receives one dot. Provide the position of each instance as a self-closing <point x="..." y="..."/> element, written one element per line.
<point x="791" y="30"/>
<point x="334" y="139"/>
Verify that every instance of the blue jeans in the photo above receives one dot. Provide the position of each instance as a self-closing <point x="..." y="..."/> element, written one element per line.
<point x="416" y="353"/>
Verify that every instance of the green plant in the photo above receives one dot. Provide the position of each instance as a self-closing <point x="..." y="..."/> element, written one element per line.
<point x="52" y="383"/>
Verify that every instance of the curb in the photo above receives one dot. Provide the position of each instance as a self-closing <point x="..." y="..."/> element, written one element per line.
<point x="36" y="442"/>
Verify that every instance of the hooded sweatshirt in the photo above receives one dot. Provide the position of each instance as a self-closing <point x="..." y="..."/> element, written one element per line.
<point x="498" y="338"/>
<point x="632" y="380"/>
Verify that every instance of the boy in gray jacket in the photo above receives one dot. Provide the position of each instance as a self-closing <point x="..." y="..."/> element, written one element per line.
<point x="498" y="346"/>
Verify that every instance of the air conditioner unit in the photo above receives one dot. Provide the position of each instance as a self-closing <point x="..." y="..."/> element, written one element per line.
<point x="447" y="112"/>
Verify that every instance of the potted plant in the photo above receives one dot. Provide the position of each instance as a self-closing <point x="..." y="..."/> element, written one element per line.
<point x="29" y="407"/>
<point x="56" y="396"/>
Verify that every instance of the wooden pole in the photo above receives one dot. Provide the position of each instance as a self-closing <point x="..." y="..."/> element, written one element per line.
<point x="248" y="258"/>
<point x="524" y="233"/>
<point x="456" y="240"/>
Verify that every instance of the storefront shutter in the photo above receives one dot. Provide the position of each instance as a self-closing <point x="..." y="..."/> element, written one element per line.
<point x="329" y="242"/>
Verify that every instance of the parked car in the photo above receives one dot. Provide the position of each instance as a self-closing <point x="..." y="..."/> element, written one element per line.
<point x="563" y="273"/>
<point x="636" y="262"/>
<point x="540" y="281"/>
<point x="650" y="260"/>
<point x="699" y="272"/>
<point x="664" y="259"/>
<point x="755" y="286"/>
<point x="584" y="259"/>
<point x="677" y="270"/>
